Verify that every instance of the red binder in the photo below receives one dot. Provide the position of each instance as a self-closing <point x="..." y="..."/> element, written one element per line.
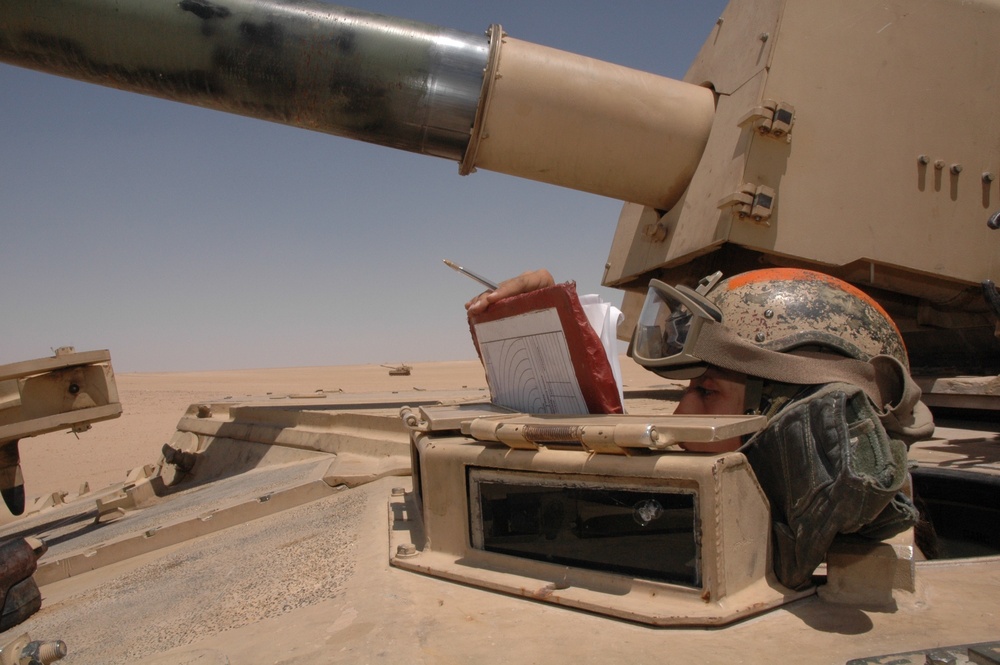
<point x="588" y="360"/>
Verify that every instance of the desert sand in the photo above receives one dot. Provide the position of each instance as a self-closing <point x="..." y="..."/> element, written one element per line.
<point x="152" y="403"/>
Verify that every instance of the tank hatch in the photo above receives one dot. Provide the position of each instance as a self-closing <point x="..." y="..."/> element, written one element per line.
<point x="593" y="512"/>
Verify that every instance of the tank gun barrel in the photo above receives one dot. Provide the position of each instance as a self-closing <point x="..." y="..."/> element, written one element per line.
<point x="487" y="101"/>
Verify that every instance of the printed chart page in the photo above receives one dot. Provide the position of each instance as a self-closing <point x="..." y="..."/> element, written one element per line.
<point x="528" y="364"/>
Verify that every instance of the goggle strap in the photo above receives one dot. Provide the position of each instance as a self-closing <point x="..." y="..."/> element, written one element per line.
<point x="717" y="345"/>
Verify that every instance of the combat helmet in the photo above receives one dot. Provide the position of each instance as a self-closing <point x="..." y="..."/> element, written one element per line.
<point x="784" y="309"/>
<point x="783" y="324"/>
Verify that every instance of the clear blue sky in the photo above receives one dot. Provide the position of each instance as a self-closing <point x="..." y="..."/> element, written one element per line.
<point x="186" y="239"/>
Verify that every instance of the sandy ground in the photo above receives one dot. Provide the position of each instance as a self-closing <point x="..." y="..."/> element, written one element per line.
<point x="152" y="403"/>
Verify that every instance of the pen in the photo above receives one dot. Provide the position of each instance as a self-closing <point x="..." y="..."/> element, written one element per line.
<point x="468" y="273"/>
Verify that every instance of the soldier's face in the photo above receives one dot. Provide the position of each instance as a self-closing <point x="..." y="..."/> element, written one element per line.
<point x="716" y="392"/>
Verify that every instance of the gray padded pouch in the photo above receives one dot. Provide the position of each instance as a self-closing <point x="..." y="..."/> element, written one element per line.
<point x="828" y="467"/>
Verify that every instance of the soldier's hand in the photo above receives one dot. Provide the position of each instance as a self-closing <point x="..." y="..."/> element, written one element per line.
<point x="523" y="283"/>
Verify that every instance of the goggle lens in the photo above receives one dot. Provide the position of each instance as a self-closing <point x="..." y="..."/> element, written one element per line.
<point x="668" y="328"/>
<point x="663" y="326"/>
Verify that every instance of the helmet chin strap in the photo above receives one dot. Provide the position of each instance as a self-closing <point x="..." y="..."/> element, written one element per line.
<point x="764" y="397"/>
<point x="752" y="396"/>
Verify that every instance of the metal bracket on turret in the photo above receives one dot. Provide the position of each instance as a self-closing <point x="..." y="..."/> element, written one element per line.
<point x="751" y="201"/>
<point x="771" y="118"/>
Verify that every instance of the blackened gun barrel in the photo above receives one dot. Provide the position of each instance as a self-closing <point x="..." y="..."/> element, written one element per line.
<point x="487" y="101"/>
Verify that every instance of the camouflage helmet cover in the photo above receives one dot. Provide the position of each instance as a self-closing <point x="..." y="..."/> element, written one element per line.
<point x="783" y="309"/>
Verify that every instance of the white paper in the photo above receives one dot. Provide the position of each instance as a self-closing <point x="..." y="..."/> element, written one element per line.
<point x="604" y="319"/>
<point x="528" y="366"/>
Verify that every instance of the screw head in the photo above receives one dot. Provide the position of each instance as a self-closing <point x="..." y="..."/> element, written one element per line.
<point x="759" y="337"/>
<point x="994" y="221"/>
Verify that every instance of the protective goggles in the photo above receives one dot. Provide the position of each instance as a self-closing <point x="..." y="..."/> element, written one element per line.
<point x="669" y="325"/>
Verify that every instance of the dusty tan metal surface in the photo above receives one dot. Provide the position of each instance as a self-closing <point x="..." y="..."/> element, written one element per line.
<point x="67" y="391"/>
<point x="885" y="175"/>
<point x="313" y="584"/>
<point x="645" y="238"/>
<point x="961" y="446"/>
<point x="312" y="581"/>
<point x="850" y="186"/>
<point x="541" y="125"/>
<point x="963" y="392"/>
<point x="729" y="569"/>
<point x="616" y="435"/>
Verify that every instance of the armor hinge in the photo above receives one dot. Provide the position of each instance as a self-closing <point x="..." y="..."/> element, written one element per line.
<point x="751" y="201"/>
<point x="771" y="118"/>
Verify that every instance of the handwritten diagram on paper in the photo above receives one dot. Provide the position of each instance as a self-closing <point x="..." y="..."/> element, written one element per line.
<point x="528" y="366"/>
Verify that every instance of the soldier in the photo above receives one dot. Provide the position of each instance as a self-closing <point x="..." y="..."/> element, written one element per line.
<point x="827" y="367"/>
